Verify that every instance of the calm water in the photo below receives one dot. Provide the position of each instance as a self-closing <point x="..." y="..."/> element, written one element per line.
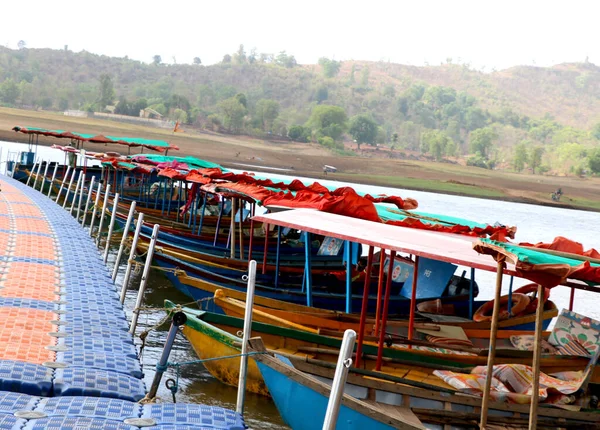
<point x="535" y="223"/>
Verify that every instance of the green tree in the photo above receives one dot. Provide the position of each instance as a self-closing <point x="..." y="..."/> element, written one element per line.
<point x="364" y="77"/>
<point x="285" y="60"/>
<point x="322" y="93"/>
<point x="107" y="91"/>
<point x="594" y="160"/>
<point x="241" y="97"/>
<point x="267" y="111"/>
<point x="330" y="67"/>
<point x="156" y="60"/>
<point x="435" y="142"/>
<point x="535" y="157"/>
<point x="363" y="130"/>
<point x="197" y="61"/>
<point x="596" y="131"/>
<point x="328" y="120"/>
<point x="9" y="91"/>
<point x="475" y="118"/>
<point x="226" y="59"/>
<point x="482" y="140"/>
<point x="233" y="114"/>
<point x="299" y="133"/>
<point x="240" y="56"/>
<point x="180" y="115"/>
<point x="520" y="157"/>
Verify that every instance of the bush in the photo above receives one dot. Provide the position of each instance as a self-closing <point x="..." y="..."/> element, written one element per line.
<point x="477" y="161"/>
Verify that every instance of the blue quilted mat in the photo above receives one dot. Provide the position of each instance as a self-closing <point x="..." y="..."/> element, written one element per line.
<point x="97" y="383"/>
<point x="25" y="378"/>
<point x="91" y="407"/>
<point x="102" y="361"/>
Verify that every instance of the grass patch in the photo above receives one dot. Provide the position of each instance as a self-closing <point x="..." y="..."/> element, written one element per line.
<point x="428" y="185"/>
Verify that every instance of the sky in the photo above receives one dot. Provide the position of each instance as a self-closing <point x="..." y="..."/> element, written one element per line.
<point x="488" y="35"/>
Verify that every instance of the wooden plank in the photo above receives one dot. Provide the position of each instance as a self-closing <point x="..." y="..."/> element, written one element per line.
<point x="399" y="412"/>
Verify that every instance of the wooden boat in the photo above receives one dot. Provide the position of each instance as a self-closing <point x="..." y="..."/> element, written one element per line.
<point x="400" y="402"/>
<point x="213" y="335"/>
<point x="326" y="321"/>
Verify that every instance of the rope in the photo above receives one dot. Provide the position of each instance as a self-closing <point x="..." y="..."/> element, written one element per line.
<point x="173" y="385"/>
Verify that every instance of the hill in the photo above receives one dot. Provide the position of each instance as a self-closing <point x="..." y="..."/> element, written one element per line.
<point x="541" y="119"/>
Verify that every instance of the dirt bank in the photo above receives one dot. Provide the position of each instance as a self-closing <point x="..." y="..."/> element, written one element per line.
<point x="308" y="159"/>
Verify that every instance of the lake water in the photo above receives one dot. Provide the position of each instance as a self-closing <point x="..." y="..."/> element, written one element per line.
<point x="535" y="224"/>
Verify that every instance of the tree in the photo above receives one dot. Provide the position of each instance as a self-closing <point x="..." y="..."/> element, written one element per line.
<point x="299" y="133"/>
<point x="594" y="160"/>
<point x="156" y="60"/>
<point x="240" y="56"/>
<point x="322" y="93"/>
<point x="285" y="60"/>
<point x="9" y="91"/>
<point x="267" y="111"/>
<point x="363" y="130"/>
<point x="330" y="67"/>
<point x="241" y="97"/>
<point x="435" y="142"/>
<point x="481" y="140"/>
<point x="364" y="77"/>
<point x="21" y="44"/>
<point x="107" y="91"/>
<point x="328" y="120"/>
<point x="596" y="131"/>
<point x="535" y="157"/>
<point x="197" y="61"/>
<point x="520" y="157"/>
<point x="226" y="59"/>
<point x="233" y="114"/>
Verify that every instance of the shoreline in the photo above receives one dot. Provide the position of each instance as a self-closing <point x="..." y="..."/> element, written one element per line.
<point x="307" y="160"/>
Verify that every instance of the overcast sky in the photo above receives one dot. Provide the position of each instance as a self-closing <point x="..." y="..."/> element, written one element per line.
<point x="490" y="34"/>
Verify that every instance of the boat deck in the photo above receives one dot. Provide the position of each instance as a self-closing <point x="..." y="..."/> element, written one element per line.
<point x="67" y="359"/>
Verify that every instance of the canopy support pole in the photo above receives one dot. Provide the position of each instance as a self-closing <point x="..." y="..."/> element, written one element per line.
<point x="413" y="299"/>
<point x="364" y="308"/>
<point x="232" y="229"/>
<point x="348" y="258"/>
<point x="537" y="355"/>
<point x="266" y="248"/>
<point x="492" y="350"/>
<point x="307" y="268"/>
<point x="510" y="292"/>
<point x="251" y="240"/>
<point x="277" y="256"/>
<point x="386" y="304"/>
<point x="471" y="292"/>
<point x="240" y="227"/>
<point x="201" y="224"/>
<point x="379" y="289"/>
<point x="221" y="204"/>
<point x="571" y="299"/>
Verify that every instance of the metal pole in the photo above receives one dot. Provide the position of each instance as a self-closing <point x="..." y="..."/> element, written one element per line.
<point x="111" y="226"/>
<point x="239" y="406"/>
<point x="492" y="349"/>
<point x="413" y="299"/>
<point x="44" y="177"/>
<point x="101" y="223"/>
<point x="308" y="267"/>
<point x="62" y="183"/>
<point x="80" y="196"/>
<point x="37" y="175"/>
<point x="232" y="230"/>
<point x="471" y="292"/>
<point x="364" y="308"/>
<point x="140" y="297"/>
<point x="87" y="202"/>
<point x="138" y="228"/>
<point x="93" y="220"/>
<point x="348" y="257"/>
<point x="76" y="191"/>
<point x="380" y="289"/>
<point x="339" y="380"/>
<point x="179" y="318"/>
<point x="31" y="173"/>
<point x="68" y="190"/>
<point x="384" y="316"/>
<point x="218" y="222"/>
<point x="52" y="180"/>
<point x="278" y="256"/>
<point x="123" y="240"/>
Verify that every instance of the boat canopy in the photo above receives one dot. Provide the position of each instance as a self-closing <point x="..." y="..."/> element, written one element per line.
<point x="155" y="145"/>
<point x="451" y="248"/>
<point x="546" y="264"/>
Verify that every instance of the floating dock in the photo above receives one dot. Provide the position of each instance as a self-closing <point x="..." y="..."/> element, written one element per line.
<point x="67" y="360"/>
